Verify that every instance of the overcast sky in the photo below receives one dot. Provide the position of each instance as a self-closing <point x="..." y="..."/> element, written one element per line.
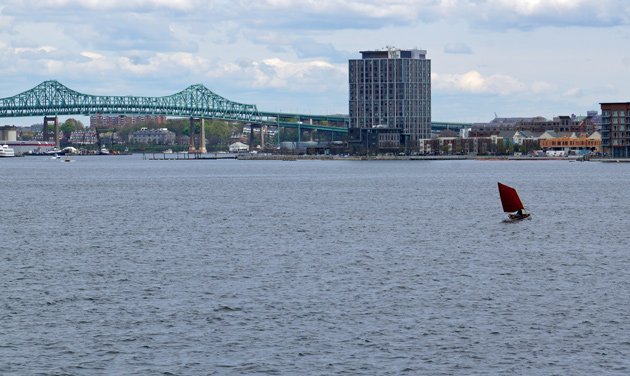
<point x="509" y="57"/>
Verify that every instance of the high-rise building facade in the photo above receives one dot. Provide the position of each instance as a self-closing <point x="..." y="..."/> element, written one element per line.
<point x="615" y="129"/>
<point x="391" y="89"/>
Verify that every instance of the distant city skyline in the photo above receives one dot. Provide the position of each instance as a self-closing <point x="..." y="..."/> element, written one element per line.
<point x="513" y="58"/>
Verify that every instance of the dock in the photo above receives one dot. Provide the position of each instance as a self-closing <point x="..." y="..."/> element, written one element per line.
<point x="187" y="156"/>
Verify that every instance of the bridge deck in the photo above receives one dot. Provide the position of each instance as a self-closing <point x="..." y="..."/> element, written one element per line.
<point x="50" y="98"/>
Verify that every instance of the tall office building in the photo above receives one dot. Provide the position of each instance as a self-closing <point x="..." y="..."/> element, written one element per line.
<point x="390" y="91"/>
<point x="615" y="129"/>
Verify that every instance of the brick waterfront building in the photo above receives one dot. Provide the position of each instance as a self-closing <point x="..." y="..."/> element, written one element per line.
<point x="616" y="129"/>
<point x="118" y="121"/>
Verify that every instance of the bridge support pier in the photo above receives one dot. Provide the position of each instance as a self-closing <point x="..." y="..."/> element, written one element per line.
<point x="202" y="137"/>
<point x="251" y="137"/>
<point x="263" y="129"/>
<point x="46" y="136"/>
<point x="191" y="142"/>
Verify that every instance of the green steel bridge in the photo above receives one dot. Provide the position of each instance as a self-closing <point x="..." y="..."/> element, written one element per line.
<point x="51" y="98"/>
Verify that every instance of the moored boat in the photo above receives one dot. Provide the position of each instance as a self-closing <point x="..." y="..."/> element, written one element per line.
<point x="6" y="151"/>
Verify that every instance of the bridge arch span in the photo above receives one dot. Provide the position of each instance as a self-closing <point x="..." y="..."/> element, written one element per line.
<point x="53" y="98"/>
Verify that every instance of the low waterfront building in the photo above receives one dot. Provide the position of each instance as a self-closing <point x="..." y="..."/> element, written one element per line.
<point x="8" y="133"/>
<point x="524" y="137"/>
<point x="508" y="142"/>
<point x="518" y="141"/>
<point x="84" y="137"/>
<point x="238" y="147"/>
<point x="8" y="136"/>
<point x="117" y="121"/>
<point x="375" y="140"/>
<point x="460" y="146"/>
<point x="571" y="143"/>
<point x="39" y="136"/>
<point x="579" y="124"/>
<point x="161" y="136"/>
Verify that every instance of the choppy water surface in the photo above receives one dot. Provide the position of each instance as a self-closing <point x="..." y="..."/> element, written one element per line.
<point x="117" y="265"/>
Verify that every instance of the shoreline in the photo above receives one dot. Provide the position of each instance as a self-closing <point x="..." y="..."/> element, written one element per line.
<point x="257" y="157"/>
<point x="288" y="157"/>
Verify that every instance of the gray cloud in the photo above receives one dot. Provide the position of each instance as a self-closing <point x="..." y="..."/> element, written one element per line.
<point x="457" y="48"/>
<point x="129" y="32"/>
<point x="307" y="48"/>
<point x="335" y="14"/>
<point x="503" y="15"/>
<point x="490" y="14"/>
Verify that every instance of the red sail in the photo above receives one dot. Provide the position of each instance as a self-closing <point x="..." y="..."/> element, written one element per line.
<point x="509" y="198"/>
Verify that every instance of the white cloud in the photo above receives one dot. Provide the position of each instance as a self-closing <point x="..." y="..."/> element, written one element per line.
<point x="489" y="13"/>
<point x="176" y="63"/>
<point x="5" y="22"/>
<point x="35" y="52"/>
<point x="274" y="73"/>
<point x="116" y="5"/>
<point x="528" y="14"/>
<point x="400" y="9"/>
<point x="474" y="82"/>
<point x="541" y="87"/>
<point x="54" y="67"/>
<point x="22" y="54"/>
<point x="92" y="55"/>
<point x="573" y="93"/>
<point x="337" y="14"/>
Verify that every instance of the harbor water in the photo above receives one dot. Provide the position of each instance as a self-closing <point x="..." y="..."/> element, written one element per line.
<point x="118" y="265"/>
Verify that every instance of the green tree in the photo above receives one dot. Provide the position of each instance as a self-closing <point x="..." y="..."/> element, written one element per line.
<point x="178" y="126"/>
<point x="218" y="132"/>
<point x="516" y="148"/>
<point x="500" y="148"/>
<point x="446" y="148"/>
<point x="71" y="125"/>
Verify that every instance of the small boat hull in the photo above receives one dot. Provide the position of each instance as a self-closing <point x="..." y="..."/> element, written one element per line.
<point x="516" y="217"/>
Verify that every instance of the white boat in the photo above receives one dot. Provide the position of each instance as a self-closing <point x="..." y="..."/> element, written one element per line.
<point x="6" y="151"/>
<point x="53" y="151"/>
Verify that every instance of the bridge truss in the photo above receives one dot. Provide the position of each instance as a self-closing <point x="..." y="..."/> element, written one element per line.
<point x="52" y="98"/>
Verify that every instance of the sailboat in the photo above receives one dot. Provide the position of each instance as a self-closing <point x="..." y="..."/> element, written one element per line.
<point x="512" y="203"/>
